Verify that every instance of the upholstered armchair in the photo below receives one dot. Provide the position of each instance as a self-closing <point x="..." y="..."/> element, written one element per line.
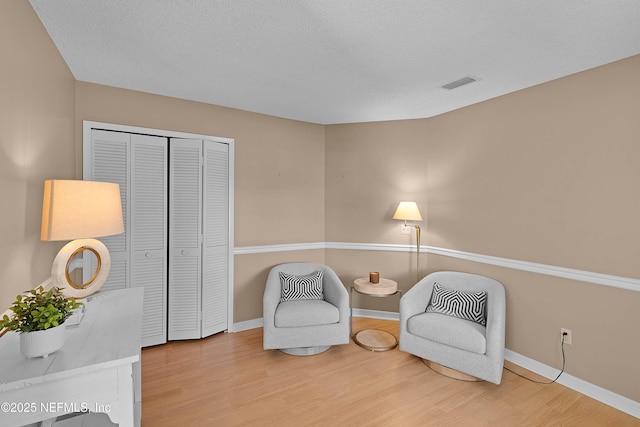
<point x="305" y="309"/>
<point x="441" y="320"/>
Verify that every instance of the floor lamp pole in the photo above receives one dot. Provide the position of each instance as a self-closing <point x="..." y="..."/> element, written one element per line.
<point x="418" y="253"/>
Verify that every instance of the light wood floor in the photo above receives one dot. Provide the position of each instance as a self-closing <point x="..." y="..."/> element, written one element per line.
<point x="229" y="380"/>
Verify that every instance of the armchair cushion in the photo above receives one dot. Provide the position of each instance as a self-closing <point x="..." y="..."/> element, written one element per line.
<point x="307" y="287"/>
<point x="462" y="304"/>
<point x="292" y="314"/>
<point x="451" y="331"/>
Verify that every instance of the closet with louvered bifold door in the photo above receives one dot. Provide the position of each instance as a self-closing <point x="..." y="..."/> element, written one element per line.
<point x="176" y="244"/>
<point x="198" y="238"/>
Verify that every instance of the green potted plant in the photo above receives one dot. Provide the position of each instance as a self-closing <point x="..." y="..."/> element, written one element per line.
<point x="39" y="316"/>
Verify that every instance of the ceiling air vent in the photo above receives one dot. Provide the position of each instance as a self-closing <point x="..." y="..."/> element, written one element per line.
<point x="460" y="82"/>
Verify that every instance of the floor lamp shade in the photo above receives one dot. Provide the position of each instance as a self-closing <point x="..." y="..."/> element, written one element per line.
<point x="408" y="211"/>
<point x="80" y="210"/>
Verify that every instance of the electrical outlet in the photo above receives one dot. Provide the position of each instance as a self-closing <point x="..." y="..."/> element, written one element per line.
<point x="406" y="229"/>
<point x="567" y="338"/>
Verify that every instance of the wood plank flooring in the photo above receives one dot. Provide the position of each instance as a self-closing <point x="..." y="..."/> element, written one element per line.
<point x="229" y="380"/>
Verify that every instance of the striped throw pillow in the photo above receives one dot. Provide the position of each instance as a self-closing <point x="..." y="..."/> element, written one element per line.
<point x="301" y="287"/>
<point x="462" y="304"/>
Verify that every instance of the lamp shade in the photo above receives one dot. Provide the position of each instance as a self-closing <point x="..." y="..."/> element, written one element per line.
<point x="408" y="211"/>
<point x="73" y="209"/>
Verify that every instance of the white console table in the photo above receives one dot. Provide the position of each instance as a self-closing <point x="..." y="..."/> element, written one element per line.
<point x="97" y="370"/>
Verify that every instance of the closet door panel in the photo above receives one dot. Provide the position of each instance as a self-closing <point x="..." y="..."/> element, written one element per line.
<point x="149" y="273"/>
<point x="185" y="230"/>
<point x="216" y="194"/>
<point x="149" y="193"/>
<point x="214" y="290"/>
<point x="108" y="162"/>
<point x="215" y="238"/>
<point x="148" y="231"/>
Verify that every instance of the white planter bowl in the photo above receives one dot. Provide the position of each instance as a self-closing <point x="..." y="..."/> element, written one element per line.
<point x="42" y="343"/>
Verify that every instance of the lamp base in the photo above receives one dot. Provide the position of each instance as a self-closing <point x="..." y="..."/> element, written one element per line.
<point x="61" y="278"/>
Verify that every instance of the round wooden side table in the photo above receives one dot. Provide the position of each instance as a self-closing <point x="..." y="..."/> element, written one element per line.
<point x="375" y="339"/>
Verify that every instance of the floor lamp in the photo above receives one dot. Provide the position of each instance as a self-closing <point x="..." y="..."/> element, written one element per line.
<point x="80" y="211"/>
<point x="408" y="211"/>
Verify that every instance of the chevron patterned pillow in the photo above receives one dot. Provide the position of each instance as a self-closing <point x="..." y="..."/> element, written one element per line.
<point x="462" y="304"/>
<point x="301" y="287"/>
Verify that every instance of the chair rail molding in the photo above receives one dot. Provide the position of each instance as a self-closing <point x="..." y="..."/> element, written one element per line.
<point x="620" y="282"/>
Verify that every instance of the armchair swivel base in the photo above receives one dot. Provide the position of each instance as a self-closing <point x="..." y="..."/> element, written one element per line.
<point x="448" y="372"/>
<point x="305" y="351"/>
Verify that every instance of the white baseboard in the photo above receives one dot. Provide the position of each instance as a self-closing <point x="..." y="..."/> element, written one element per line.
<point x="376" y="314"/>
<point x="598" y="393"/>
<point x="247" y="324"/>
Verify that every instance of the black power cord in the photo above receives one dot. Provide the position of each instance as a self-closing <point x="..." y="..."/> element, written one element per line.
<point x="564" y="334"/>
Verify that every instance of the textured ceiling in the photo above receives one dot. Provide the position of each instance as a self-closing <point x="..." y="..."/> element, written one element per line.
<point x="337" y="61"/>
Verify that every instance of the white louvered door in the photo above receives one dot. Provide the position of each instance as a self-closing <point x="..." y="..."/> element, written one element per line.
<point x="198" y="235"/>
<point x="139" y="255"/>
<point x="149" y="232"/>
<point x="185" y="219"/>
<point x="215" y="246"/>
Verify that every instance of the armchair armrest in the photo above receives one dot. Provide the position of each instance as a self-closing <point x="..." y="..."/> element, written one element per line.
<point x="415" y="300"/>
<point x="496" y="313"/>
<point x="271" y="297"/>
<point x="334" y="291"/>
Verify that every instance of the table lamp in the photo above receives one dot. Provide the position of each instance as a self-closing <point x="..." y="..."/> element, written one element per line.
<point x="408" y="211"/>
<point x="80" y="211"/>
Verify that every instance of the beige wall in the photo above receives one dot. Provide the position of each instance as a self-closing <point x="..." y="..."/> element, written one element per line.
<point x="36" y="143"/>
<point x="548" y="175"/>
